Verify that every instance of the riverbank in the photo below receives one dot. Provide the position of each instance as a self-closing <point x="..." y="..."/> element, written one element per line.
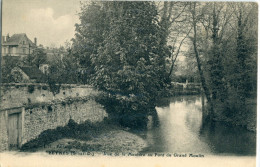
<point x="246" y="119"/>
<point x="109" y="143"/>
<point x="96" y="138"/>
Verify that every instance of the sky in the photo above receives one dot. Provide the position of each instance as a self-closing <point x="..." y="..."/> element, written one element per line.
<point x="52" y="22"/>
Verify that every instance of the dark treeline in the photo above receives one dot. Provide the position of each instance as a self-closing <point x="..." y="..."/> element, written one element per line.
<point x="225" y="46"/>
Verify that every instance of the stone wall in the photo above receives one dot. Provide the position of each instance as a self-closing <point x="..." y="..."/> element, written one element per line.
<point x="16" y="95"/>
<point x="38" y="117"/>
<point x="43" y="117"/>
<point x="3" y="131"/>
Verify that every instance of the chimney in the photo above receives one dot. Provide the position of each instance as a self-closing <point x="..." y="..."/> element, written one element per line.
<point x="7" y="37"/>
<point x="3" y="39"/>
<point x="35" y="41"/>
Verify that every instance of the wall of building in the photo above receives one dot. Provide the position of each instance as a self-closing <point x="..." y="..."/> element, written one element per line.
<point x="39" y="117"/>
<point x="11" y="50"/>
<point x="25" y="49"/>
<point x="20" y="50"/>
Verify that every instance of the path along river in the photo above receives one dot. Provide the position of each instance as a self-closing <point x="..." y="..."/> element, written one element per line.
<point x="182" y="130"/>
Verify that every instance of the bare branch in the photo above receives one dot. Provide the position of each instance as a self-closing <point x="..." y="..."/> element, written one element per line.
<point x="174" y="19"/>
<point x="178" y="51"/>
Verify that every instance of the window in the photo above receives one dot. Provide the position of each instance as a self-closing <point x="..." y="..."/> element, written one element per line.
<point x="14" y="49"/>
<point x="24" y="50"/>
<point x="45" y="68"/>
<point x="23" y="42"/>
<point x="4" y="50"/>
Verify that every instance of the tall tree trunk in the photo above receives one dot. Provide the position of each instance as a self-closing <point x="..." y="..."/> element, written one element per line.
<point x="202" y="78"/>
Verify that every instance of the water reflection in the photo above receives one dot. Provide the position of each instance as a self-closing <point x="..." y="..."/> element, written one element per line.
<point x="182" y="129"/>
<point x="225" y="138"/>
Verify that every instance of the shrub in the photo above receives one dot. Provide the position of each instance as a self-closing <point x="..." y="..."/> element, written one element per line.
<point x="30" y="88"/>
<point x="44" y="87"/>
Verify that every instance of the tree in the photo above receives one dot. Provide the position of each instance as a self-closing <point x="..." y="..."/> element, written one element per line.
<point x="216" y="67"/>
<point x="89" y="36"/>
<point x="172" y="19"/>
<point x="128" y="52"/>
<point x="37" y="58"/>
<point x="194" y="22"/>
<point x="214" y="19"/>
<point x="62" y="69"/>
<point x="8" y="63"/>
<point x="225" y="49"/>
<point x="245" y="48"/>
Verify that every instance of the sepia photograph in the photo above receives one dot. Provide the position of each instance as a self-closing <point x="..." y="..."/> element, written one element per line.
<point x="128" y="83"/>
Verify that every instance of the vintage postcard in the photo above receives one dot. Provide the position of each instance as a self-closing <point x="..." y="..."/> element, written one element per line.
<point x="128" y="83"/>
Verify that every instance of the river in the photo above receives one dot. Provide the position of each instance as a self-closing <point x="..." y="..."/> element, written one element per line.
<point x="182" y="130"/>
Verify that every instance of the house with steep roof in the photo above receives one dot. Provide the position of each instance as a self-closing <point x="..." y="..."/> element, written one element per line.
<point x="18" y="45"/>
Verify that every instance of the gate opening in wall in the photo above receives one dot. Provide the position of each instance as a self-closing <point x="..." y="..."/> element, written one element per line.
<point x="14" y="129"/>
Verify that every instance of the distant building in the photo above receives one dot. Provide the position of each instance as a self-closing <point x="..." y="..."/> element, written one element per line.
<point x="44" y="68"/>
<point x="18" y="45"/>
<point x="28" y="74"/>
<point x="54" y="54"/>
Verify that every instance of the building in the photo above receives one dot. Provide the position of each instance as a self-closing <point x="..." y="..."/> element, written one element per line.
<point x="44" y="68"/>
<point x="17" y="45"/>
<point x="55" y="54"/>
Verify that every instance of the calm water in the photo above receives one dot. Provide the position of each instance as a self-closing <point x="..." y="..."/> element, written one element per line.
<point x="182" y="129"/>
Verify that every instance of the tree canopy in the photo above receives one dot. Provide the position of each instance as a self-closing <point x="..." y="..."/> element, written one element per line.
<point x="124" y="45"/>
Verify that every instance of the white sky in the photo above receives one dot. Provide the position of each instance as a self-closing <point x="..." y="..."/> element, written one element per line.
<point x="50" y="21"/>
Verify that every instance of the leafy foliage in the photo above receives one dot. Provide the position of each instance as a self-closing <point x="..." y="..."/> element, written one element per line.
<point x="8" y="63"/>
<point x="37" y="58"/>
<point x="124" y="47"/>
<point x="228" y="50"/>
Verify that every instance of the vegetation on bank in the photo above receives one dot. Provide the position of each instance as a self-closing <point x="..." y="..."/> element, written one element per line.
<point x="226" y="53"/>
<point x="222" y="55"/>
<point x="87" y="137"/>
<point x="246" y="118"/>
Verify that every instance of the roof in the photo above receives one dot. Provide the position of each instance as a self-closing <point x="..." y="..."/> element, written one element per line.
<point x="16" y="39"/>
<point x="33" y="72"/>
<point x="12" y="59"/>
